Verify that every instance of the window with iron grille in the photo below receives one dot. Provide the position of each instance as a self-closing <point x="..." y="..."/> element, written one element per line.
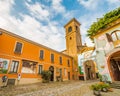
<point x="52" y="57"/>
<point x="18" y="47"/>
<point x="68" y="62"/>
<point x="41" y="54"/>
<point x="60" y="58"/>
<point x="14" y="67"/>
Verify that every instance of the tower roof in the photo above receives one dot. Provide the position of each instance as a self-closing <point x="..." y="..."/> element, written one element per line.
<point x="72" y="21"/>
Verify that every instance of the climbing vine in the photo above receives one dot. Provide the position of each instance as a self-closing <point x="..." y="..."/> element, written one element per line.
<point x="103" y="22"/>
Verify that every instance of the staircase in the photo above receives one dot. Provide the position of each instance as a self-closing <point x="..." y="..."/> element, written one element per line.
<point x="115" y="84"/>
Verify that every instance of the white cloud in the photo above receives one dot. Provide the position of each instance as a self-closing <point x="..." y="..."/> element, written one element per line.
<point x="113" y="1"/>
<point x="113" y="4"/>
<point x="30" y="28"/>
<point x="38" y="10"/>
<point x="89" y="4"/>
<point x="57" y="6"/>
<point x="86" y="21"/>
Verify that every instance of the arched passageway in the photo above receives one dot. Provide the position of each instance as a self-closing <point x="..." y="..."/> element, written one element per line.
<point x="89" y="69"/>
<point x="114" y="63"/>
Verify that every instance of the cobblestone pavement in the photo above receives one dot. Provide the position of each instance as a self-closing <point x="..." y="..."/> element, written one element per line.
<point x="69" y="88"/>
<point x="73" y="89"/>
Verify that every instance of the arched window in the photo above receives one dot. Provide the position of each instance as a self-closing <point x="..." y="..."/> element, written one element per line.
<point x="76" y="27"/>
<point x="70" y="29"/>
<point x="115" y="35"/>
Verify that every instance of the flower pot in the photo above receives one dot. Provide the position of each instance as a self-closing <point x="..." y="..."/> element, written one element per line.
<point x="104" y="89"/>
<point x="96" y="92"/>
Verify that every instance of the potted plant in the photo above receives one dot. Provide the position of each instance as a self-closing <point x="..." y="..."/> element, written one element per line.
<point x="105" y="87"/>
<point x="96" y="89"/>
<point x="45" y="76"/>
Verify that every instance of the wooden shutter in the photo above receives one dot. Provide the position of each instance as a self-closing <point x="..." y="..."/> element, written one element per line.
<point x="41" y="54"/>
<point x="60" y="60"/>
<point x="52" y="57"/>
<point x="18" y="47"/>
<point x="68" y="63"/>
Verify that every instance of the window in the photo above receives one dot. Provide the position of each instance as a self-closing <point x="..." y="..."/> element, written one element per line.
<point x="41" y="54"/>
<point x="28" y="66"/>
<point x="70" y="29"/>
<point x="18" y="47"/>
<point x="76" y="28"/>
<point x="40" y="69"/>
<point x="68" y="62"/>
<point x="60" y="60"/>
<point x="52" y="57"/>
<point x="14" y="66"/>
<point x="116" y="35"/>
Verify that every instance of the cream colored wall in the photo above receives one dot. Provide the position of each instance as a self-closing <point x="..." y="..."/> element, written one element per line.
<point x="28" y="81"/>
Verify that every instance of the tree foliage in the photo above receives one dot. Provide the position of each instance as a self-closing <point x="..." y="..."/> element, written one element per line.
<point x="104" y="22"/>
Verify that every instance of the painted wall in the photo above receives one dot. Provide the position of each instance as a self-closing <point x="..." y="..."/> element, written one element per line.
<point x="104" y="47"/>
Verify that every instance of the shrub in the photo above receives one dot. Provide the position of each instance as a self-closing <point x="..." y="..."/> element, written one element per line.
<point x="46" y="76"/>
<point x="100" y="77"/>
<point x="99" y="86"/>
<point x="95" y="87"/>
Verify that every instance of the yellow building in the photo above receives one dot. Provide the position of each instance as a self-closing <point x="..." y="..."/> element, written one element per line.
<point x="73" y="42"/>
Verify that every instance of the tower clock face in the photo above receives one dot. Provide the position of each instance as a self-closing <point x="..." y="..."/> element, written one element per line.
<point x="70" y="29"/>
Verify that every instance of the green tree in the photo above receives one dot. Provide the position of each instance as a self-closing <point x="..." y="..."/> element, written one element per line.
<point x="103" y="22"/>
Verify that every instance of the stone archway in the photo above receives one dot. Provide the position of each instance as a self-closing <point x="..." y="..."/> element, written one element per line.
<point x="51" y="69"/>
<point x="89" y="69"/>
<point x="114" y="65"/>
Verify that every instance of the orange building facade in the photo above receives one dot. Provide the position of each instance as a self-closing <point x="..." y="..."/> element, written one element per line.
<point x="23" y="60"/>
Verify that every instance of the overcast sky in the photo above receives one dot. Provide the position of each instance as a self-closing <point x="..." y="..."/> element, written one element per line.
<point x="42" y="20"/>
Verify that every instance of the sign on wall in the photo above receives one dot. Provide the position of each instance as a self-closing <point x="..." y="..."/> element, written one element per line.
<point x="4" y="65"/>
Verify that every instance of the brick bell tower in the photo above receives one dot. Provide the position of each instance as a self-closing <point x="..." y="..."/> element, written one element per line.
<point x="73" y="43"/>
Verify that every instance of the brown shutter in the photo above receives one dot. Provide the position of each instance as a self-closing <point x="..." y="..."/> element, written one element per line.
<point x="18" y="48"/>
<point x="109" y="38"/>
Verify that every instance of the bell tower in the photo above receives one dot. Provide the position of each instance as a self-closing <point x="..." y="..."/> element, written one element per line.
<point x="73" y="37"/>
<point x="73" y="42"/>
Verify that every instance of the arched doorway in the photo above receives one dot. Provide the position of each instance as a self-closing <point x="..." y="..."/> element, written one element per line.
<point x="89" y="69"/>
<point x="114" y="63"/>
<point x="51" y="69"/>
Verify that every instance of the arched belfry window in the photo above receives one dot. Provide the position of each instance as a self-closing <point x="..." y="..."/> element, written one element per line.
<point x="70" y="29"/>
<point x="77" y="28"/>
<point x="115" y="35"/>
